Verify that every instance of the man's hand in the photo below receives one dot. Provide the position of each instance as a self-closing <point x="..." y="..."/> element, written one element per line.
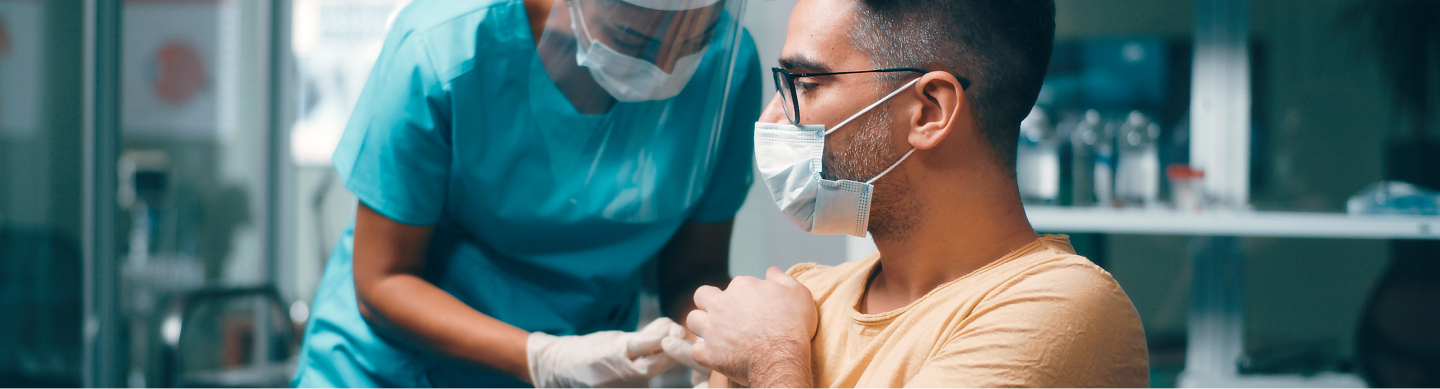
<point x="757" y="332"/>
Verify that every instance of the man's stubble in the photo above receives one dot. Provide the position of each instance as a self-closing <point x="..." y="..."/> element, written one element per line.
<point x="893" y="208"/>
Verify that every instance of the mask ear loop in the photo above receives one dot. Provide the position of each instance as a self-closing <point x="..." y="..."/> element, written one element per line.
<point x="872" y="106"/>
<point x="892" y="166"/>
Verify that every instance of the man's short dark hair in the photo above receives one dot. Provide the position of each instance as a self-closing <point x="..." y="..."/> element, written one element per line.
<point x="1002" y="46"/>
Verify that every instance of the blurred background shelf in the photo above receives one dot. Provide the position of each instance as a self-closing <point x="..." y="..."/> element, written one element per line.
<point x="1232" y="223"/>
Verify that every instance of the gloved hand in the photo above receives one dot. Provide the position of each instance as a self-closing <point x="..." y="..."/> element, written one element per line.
<point x="679" y="348"/>
<point x="601" y="359"/>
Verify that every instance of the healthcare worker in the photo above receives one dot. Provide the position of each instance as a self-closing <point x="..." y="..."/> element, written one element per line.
<point x="521" y="165"/>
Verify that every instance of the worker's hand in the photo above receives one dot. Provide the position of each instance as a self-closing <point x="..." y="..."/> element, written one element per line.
<point x="680" y="348"/>
<point x="601" y="359"/>
<point x="756" y="332"/>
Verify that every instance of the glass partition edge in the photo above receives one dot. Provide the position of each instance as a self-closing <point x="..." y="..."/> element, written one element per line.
<point x="102" y="352"/>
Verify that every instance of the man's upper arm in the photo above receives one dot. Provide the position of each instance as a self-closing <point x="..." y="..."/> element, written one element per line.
<point x="1069" y="327"/>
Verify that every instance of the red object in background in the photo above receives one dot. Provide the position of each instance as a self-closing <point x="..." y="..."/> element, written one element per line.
<point x="1185" y="191"/>
<point x="4" y="38"/>
<point x="1180" y="171"/>
<point x="180" y="74"/>
<point x="238" y="344"/>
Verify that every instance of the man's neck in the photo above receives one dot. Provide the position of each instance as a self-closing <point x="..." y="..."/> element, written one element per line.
<point x="961" y="229"/>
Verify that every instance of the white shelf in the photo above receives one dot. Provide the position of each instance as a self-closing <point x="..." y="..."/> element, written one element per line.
<point x="1232" y="223"/>
<point x="1321" y="380"/>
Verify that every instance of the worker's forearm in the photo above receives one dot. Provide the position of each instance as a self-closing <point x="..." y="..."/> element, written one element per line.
<point x="698" y="254"/>
<point x="421" y="314"/>
<point x="677" y="298"/>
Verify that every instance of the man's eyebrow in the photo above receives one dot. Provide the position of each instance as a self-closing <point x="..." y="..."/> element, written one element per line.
<point x="801" y="62"/>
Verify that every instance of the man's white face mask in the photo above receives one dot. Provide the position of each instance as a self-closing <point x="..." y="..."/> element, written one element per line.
<point x="789" y="158"/>
<point x="627" y="78"/>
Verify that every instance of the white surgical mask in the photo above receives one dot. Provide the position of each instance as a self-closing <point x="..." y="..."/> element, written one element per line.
<point x="627" y="78"/>
<point x="789" y="158"/>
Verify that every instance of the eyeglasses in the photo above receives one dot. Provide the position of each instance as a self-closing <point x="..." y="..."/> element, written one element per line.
<point x="785" y="86"/>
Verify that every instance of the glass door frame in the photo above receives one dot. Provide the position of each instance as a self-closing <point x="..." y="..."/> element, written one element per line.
<point x="104" y="354"/>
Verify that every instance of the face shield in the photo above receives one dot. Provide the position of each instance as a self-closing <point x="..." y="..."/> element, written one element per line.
<point x="630" y="96"/>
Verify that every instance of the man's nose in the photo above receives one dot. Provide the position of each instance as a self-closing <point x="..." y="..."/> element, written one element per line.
<point x="774" y="112"/>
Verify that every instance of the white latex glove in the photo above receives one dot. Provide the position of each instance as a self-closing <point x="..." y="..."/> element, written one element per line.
<point x="679" y="348"/>
<point x="601" y="359"/>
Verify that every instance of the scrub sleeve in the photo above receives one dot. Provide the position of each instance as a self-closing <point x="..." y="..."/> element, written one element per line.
<point x="401" y="159"/>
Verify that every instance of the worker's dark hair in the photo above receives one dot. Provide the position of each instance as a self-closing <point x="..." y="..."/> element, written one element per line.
<point x="1002" y="46"/>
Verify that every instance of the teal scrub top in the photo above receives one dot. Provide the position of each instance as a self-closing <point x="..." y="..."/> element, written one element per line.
<point x="445" y="134"/>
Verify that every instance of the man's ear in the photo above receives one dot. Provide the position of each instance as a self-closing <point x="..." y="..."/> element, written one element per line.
<point x="942" y="100"/>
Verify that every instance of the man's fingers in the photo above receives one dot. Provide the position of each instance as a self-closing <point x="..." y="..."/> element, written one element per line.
<point x="705" y="297"/>
<point x="700" y="352"/>
<point x="698" y="321"/>
<point x="776" y="275"/>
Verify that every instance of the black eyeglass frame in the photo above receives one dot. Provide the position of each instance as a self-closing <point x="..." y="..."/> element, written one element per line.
<point x="793" y="102"/>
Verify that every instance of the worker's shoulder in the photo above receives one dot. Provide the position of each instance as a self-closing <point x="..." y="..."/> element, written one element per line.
<point x="747" y="44"/>
<point x="457" y="19"/>
<point x="448" y="35"/>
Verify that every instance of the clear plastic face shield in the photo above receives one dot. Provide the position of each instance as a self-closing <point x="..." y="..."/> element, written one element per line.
<point x="631" y="97"/>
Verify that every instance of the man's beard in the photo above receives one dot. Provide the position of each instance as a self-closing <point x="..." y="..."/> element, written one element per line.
<point x="893" y="209"/>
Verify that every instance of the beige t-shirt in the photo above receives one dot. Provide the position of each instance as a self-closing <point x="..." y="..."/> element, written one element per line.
<point x="1039" y="317"/>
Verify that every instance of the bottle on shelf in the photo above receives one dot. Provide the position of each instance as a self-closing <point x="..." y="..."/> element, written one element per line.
<point x="1105" y="159"/>
<point x="1137" y="175"/>
<point x="1085" y="140"/>
<point x="1037" y="160"/>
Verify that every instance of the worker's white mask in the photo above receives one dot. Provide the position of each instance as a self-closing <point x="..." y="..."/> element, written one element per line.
<point x="789" y="157"/>
<point x="627" y="78"/>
